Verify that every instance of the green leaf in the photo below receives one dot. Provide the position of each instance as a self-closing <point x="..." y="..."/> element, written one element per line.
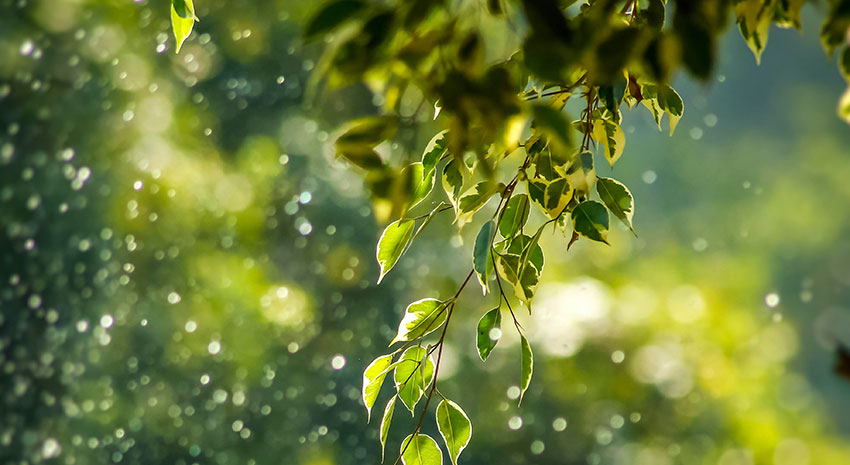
<point x="411" y="376"/>
<point x="385" y="424"/>
<point x="422" y="184"/>
<point x="373" y="378"/>
<point x="392" y="243"/>
<point x="420" y="450"/>
<point x="524" y="287"/>
<point x="844" y="63"/>
<point x="182" y="20"/>
<point x="473" y="199"/>
<point x="754" y="18"/>
<point x="556" y="197"/>
<point x="484" y="340"/>
<point x="618" y="199"/>
<point x="590" y="219"/>
<point x="435" y="150"/>
<point x="833" y="33"/>
<point x="362" y="156"/>
<point x="527" y="366"/>
<point x="481" y="261"/>
<point x="514" y="216"/>
<point x="671" y="102"/>
<point x="522" y="243"/>
<point x="420" y="318"/>
<point x="528" y="249"/>
<point x="332" y="16"/>
<point x="454" y="427"/>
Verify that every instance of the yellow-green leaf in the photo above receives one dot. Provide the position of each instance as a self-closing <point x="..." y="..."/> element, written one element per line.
<point x="373" y="378"/>
<point x="420" y="319"/>
<point x="618" y="199"/>
<point x="420" y="450"/>
<point x="385" y="424"/>
<point x="527" y="366"/>
<point x="392" y="243"/>
<point x="182" y="20"/>
<point x="454" y="427"/>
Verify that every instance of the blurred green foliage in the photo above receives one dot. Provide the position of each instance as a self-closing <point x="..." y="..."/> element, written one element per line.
<point x="187" y="272"/>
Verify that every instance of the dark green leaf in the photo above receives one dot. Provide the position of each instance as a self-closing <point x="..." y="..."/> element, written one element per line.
<point x="488" y="326"/>
<point x="481" y="261"/>
<point x="554" y="124"/>
<point x="590" y="219"/>
<point x="618" y="199"/>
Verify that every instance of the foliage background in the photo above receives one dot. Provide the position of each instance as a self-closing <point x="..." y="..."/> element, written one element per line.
<point x="187" y="274"/>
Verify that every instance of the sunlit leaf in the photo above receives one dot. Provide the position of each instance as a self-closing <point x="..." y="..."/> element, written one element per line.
<point x="411" y="377"/>
<point x="473" y="199"/>
<point x="392" y="244"/>
<point x="618" y="199"/>
<point x="485" y="342"/>
<point x="844" y="106"/>
<point x="527" y="366"/>
<point x="454" y="426"/>
<point x="525" y="285"/>
<point x="420" y="450"/>
<point x="182" y="20"/>
<point x="435" y="149"/>
<point x="481" y="260"/>
<point x="420" y="318"/>
<point x="453" y="181"/>
<point x="590" y="219"/>
<point x="385" y="424"/>
<point x="373" y="378"/>
<point x="612" y="137"/>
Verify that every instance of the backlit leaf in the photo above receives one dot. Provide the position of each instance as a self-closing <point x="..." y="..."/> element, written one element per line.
<point x="488" y="326"/>
<point x="385" y="424"/>
<point x="420" y="450"/>
<point x="454" y="427"/>
<point x="481" y="261"/>
<point x="612" y="137"/>
<point x="373" y="378"/>
<point x="182" y="20"/>
<point x="527" y="366"/>
<point x="420" y="318"/>
<point x="411" y="377"/>
<point x="392" y="244"/>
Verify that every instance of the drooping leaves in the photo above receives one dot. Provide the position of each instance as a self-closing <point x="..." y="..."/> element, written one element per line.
<point x="590" y="219"/>
<point x="182" y="20"/>
<point x="527" y="366"/>
<point x="488" y="333"/>
<point x="392" y="244"/>
<point x="662" y="99"/>
<point x="420" y="450"/>
<point x="421" y="318"/>
<point x="373" y="378"/>
<point x="454" y="426"/>
<point x="618" y="199"/>
<point x="481" y="257"/>
<point x="412" y="375"/>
